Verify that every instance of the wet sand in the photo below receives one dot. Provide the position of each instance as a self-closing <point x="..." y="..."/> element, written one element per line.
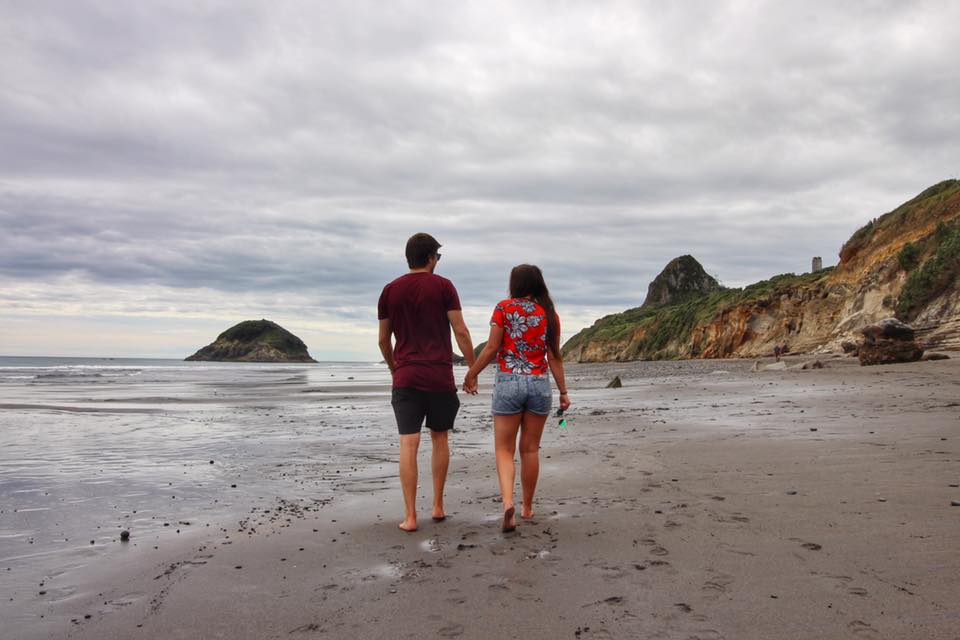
<point x="698" y="501"/>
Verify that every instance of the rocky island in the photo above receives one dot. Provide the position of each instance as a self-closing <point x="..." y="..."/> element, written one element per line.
<point x="255" y="341"/>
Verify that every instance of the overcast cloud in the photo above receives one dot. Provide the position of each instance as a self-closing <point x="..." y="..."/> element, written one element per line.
<point x="170" y="168"/>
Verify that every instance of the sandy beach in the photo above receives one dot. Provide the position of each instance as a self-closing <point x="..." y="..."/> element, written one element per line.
<point x="698" y="501"/>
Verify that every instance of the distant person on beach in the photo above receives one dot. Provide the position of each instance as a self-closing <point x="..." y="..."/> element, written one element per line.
<point x="776" y="352"/>
<point x="418" y="309"/>
<point x="525" y="340"/>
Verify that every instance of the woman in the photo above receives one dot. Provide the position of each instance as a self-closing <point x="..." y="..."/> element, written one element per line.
<point x="525" y="339"/>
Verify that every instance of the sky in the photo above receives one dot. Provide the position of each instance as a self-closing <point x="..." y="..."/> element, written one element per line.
<point x="168" y="169"/>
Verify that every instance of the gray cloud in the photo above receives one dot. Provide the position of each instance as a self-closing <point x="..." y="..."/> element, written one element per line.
<point x="287" y="151"/>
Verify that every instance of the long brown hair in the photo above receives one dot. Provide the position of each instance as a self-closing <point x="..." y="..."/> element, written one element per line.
<point x="527" y="280"/>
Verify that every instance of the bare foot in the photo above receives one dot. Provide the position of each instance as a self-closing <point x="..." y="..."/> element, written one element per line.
<point x="509" y="521"/>
<point x="526" y="513"/>
<point x="409" y="525"/>
<point x="439" y="515"/>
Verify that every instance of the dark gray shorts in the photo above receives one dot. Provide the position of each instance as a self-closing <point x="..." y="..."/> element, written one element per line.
<point x="413" y="406"/>
<point x="515" y="393"/>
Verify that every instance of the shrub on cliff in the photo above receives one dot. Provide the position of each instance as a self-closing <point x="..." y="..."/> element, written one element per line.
<point x="909" y="256"/>
<point x="933" y="277"/>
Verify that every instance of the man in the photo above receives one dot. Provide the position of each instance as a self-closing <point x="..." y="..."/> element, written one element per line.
<point x="418" y="309"/>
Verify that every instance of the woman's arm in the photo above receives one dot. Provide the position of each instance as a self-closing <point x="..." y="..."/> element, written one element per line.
<point x="486" y="356"/>
<point x="556" y="368"/>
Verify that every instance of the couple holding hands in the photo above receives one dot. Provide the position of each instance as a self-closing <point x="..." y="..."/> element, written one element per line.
<point x="416" y="312"/>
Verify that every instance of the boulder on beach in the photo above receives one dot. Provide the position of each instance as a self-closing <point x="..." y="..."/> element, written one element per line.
<point x="255" y="341"/>
<point x="888" y="342"/>
<point x="935" y="356"/>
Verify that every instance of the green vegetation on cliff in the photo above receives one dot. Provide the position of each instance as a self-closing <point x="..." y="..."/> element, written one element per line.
<point x="934" y="276"/>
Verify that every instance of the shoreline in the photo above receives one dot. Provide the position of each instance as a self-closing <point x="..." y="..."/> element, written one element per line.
<point x="789" y="504"/>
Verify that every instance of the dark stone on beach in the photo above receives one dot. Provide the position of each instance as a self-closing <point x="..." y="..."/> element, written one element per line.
<point x="955" y="503"/>
<point x="615" y="383"/>
<point x="124" y="535"/>
<point x="849" y="347"/>
<point x="888" y="342"/>
<point x="889" y="352"/>
<point x="935" y="356"/>
<point x="791" y="493"/>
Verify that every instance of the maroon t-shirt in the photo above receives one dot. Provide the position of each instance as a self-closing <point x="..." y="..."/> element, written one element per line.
<point x="416" y="305"/>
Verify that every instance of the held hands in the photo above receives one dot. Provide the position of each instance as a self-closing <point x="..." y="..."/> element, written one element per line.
<point x="470" y="384"/>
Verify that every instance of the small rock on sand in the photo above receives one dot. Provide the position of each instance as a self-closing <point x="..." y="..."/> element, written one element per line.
<point x="124" y="535"/>
<point x="615" y="383"/>
<point x="955" y="503"/>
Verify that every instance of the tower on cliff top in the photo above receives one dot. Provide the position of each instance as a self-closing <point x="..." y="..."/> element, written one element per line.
<point x="817" y="264"/>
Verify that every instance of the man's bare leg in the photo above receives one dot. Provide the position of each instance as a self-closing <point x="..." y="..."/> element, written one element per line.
<point x="440" y="462"/>
<point x="409" y="445"/>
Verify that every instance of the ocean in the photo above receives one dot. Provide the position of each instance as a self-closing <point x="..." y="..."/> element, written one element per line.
<point x="90" y="447"/>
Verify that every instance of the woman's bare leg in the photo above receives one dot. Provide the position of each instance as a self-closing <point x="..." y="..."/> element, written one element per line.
<point x="505" y="445"/>
<point x="531" y="430"/>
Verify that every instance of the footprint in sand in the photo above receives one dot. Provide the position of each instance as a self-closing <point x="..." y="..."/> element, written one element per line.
<point x="861" y="628"/>
<point x="451" y="631"/>
<point x="858" y="591"/>
<point x="812" y="546"/>
<point x="716" y="587"/>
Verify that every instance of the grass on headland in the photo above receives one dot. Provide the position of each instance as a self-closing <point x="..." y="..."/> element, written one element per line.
<point x="675" y="323"/>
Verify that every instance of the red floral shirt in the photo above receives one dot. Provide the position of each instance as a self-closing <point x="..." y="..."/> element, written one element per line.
<point x="524" y="346"/>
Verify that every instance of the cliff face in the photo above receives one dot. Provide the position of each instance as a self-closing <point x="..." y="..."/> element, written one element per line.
<point x="255" y="341"/>
<point x="905" y="263"/>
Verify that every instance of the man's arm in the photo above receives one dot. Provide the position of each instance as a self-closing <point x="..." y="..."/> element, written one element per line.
<point x="462" y="334"/>
<point x="386" y="345"/>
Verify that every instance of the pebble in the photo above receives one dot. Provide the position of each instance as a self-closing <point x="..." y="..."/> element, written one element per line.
<point x="791" y="493"/>
<point x="813" y="429"/>
<point x="955" y="503"/>
<point x="124" y="535"/>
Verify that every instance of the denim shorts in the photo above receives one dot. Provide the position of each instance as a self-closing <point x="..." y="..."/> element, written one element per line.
<point x="514" y="393"/>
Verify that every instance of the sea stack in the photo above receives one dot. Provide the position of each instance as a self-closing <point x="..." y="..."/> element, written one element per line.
<point x="255" y="341"/>
<point x="682" y="279"/>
